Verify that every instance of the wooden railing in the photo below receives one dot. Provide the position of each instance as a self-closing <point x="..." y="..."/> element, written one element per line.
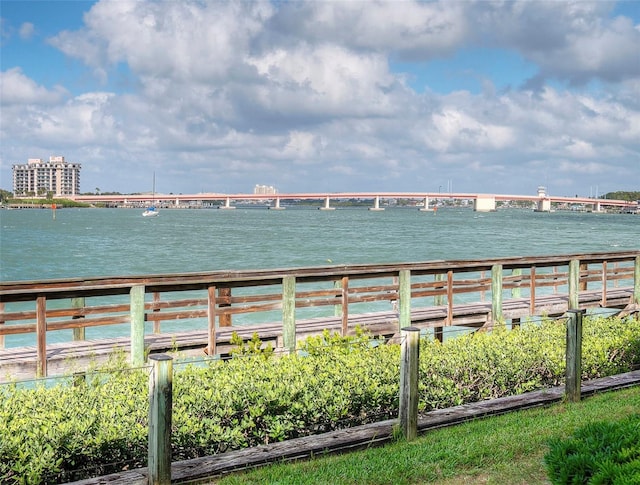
<point x="243" y="299"/>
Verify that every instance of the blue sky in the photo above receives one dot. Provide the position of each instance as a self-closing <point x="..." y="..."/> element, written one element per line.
<point x="468" y="69"/>
<point x="495" y="97"/>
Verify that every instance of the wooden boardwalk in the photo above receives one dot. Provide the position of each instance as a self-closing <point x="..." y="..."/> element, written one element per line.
<point x="76" y="356"/>
<point x="284" y="305"/>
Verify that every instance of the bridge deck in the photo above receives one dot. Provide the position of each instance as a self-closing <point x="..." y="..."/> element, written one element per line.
<point x="75" y="356"/>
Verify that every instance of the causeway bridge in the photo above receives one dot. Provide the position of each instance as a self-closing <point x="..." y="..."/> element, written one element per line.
<point x="424" y="200"/>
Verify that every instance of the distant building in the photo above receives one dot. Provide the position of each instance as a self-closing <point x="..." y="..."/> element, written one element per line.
<point x="39" y="177"/>
<point x="264" y="189"/>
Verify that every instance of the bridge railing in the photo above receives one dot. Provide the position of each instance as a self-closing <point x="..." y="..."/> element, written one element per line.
<point x="43" y="312"/>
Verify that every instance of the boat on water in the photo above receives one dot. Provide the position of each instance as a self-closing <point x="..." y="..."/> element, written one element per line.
<point x="151" y="211"/>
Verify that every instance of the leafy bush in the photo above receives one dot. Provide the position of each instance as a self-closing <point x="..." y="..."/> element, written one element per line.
<point x="251" y="347"/>
<point x="97" y="426"/>
<point x="482" y="365"/>
<point x="49" y="434"/>
<point x="598" y="453"/>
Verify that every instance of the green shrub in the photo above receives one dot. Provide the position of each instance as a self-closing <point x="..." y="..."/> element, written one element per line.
<point x="98" y="426"/>
<point x="50" y="434"/>
<point x="251" y="347"/>
<point x="598" y="454"/>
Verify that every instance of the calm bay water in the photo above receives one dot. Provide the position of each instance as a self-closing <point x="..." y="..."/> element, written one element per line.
<point x="108" y="242"/>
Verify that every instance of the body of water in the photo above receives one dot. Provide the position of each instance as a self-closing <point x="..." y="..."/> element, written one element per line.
<point x="114" y="242"/>
<point x="110" y="242"/>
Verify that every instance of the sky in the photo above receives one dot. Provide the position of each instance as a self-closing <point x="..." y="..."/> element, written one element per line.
<point x="325" y="96"/>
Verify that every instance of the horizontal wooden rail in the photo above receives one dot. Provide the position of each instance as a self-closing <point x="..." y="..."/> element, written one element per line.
<point x="395" y="295"/>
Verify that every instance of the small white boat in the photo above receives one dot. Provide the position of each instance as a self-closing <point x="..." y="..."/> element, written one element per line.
<point x="151" y="211"/>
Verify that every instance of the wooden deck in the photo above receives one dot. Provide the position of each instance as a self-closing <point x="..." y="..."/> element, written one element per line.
<point x="285" y="306"/>
<point x="76" y="356"/>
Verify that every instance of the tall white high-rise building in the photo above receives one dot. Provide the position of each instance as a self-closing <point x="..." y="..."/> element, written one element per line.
<point x="39" y="177"/>
<point x="264" y="189"/>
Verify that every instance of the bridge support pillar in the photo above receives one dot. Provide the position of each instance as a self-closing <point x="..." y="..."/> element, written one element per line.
<point x="227" y="204"/>
<point x="484" y="203"/>
<point x="277" y="205"/>
<point x="543" y="205"/>
<point x="376" y="205"/>
<point x="326" y="207"/>
<point x="426" y="206"/>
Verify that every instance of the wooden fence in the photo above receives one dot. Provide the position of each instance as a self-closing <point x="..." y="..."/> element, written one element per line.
<point x="162" y="471"/>
<point x="286" y="305"/>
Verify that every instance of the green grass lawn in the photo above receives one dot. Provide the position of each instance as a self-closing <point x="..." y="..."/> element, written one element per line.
<point x="500" y="450"/>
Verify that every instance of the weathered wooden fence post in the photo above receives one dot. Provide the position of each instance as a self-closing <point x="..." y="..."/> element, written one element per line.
<point x="224" y="300"/>
<point x="574" y="284"/>
<point x="636" y="283"/>
<point x="160" y="411"/>
<point x="211" y="321"/>
<point x="574" y="356"/>
<point x="404" y="290"/>
<point x="496" y="293"/>
<point x="438" y="300"/>
<point x="450" y="297"/>
<point x="137" y="324"/>
<point x="337" y="309"/>
<point x="532" y="290"/>
<point x="584" y="267"/>
<point x="409" y="367"/>
<point x="41" y="336"/>
<point x="289" y="313"/>
<point x="342" y="309"/>
<point x="156" y="323"/>
<point x="516" y="292"/>
<point x="603" y="280"/>
<point x="1" y="324"/>
<point x="78" y="333"/>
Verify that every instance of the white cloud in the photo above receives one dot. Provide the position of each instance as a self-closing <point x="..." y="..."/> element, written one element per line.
<point x="580" y="149"/>
<point x="572" y="41"/>
<point x="188" y="41"/>
<point x="344" y="170"/>
<point x="27" y="30"/>
<point x="416" y="29"/>
<point x="573" y="167"/>
<point x="82" y="120"/>
<point x="18" y="89"/>
<point x="324" y="80"/>
<point x="302" y="145"/>
<point x="455" y="129"/>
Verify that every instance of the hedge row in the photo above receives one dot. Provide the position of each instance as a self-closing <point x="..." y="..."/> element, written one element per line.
<point x="98" y="426"/>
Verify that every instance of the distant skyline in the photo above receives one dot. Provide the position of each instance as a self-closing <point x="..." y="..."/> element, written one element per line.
<point x="325" y="96"/>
